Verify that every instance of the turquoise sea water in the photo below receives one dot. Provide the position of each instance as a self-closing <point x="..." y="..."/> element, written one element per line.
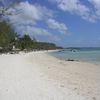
<point x="80" y="54"/>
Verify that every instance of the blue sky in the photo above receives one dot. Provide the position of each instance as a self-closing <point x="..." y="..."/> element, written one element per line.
<point x="68" y="23"/>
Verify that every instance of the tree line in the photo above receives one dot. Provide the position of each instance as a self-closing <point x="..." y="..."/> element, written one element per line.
<point x="9" y="39"/>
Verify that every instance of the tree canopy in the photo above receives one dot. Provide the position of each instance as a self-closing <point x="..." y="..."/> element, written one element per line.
<point x="9" y="38"/>
<point x="7" y="34"/>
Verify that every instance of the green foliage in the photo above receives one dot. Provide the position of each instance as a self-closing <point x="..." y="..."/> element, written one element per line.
<point x="25" y="42"/>
<point x="7" y="34"/>
<point x="45" y="46"/>
<point x="8" y="39"/>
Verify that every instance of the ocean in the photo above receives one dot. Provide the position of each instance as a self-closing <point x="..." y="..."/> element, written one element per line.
<point x="79" y="54"/>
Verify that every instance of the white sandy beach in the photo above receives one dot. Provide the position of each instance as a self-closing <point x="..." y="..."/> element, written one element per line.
<point x="39" y="76"/>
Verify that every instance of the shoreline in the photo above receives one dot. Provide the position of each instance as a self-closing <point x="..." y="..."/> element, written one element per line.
<point x="76" y="60"/>
<point x="38" y="75"/>
<point x="73" y="60"/>
<point x="48" y="53"/>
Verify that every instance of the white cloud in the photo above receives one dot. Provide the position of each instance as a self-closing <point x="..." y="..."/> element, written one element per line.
<point x="26" y="12"/>
<point x="32" y="30"/>
<point x="26" y="16"/>
<point x="60" y="27"/>
<point x="40" y="31"/>
<point x="96" y="4"/>
<point x="74" y="7"/>
<point x="80" y="9"/>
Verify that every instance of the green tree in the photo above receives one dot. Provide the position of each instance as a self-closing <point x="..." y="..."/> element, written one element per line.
<point x="7" y="35"/>
<point x="25" y="42"/>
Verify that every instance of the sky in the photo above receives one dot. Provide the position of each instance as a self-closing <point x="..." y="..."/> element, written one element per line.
<point x="67" y="23"/>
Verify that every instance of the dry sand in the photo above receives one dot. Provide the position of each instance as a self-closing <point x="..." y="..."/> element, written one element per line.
<point x="39" y="76"/>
